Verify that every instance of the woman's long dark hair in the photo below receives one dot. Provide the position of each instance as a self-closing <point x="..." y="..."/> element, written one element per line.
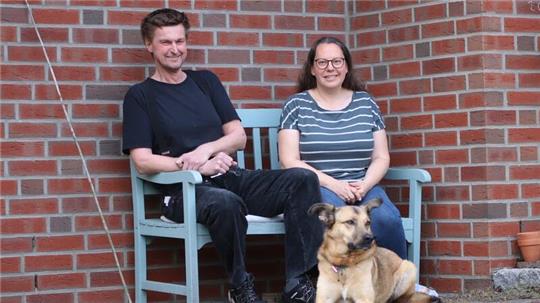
<point x="307" y="81"/>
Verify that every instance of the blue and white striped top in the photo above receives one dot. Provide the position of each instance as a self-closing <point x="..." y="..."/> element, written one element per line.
<point x="336" y="142"/>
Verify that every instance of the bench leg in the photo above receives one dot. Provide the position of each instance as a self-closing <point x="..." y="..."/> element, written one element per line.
<point x="140" y="268"/>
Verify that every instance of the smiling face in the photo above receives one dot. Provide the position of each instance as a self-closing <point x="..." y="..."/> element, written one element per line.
<point x="330" y="76"/>
<point x="168" y="47"/>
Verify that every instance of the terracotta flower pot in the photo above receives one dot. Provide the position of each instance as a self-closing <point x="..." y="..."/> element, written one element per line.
<point x="529" y="244"/>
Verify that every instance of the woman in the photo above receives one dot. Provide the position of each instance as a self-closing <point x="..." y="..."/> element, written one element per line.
<point x="333" y="127"/>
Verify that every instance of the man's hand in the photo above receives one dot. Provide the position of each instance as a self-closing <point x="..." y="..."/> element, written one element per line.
<point x="219" y="164"/>
<point x="194" y="159"/>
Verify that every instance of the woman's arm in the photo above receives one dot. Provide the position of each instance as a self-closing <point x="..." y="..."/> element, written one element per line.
<point x="289" y="156"/>
<point x="380" y="161"/>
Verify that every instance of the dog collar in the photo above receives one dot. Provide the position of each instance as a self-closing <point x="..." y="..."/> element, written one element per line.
<point x="338" y="270"/>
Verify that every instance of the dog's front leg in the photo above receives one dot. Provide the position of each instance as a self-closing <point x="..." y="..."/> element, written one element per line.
<point x="327" y="291"/>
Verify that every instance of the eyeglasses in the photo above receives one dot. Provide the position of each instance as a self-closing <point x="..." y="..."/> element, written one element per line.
<point x="323" y="63"/>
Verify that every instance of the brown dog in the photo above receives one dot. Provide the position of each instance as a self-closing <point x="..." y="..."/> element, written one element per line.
<point x="352" y="267"/>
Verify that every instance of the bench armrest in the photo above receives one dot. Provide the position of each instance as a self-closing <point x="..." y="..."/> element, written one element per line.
<point x="190" y="176"/>
<point x="412" y="174"/>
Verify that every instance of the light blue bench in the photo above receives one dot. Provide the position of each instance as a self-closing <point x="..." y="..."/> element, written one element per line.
<point x="196" y="235"/>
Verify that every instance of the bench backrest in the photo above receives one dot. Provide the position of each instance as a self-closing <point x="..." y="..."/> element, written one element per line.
<point x="263" y="144"/>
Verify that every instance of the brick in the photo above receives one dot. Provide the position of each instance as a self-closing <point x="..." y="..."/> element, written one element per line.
<point x="443" y="138"/>
<point x="29" y="130"/>
<point x="220" y="20"/>
<point x="479" y="24"/>
<point x="22" y="73"/>
<point x="326" y="7"/>
<point x="455" y="267"/>
<point x="41" y="111"/>
<point x="61" y="281"/>
<point x="15" y="91"/>
<point x="103" y="279"/>
<point x="48" y="92"/>
<point x="493" y="117"/>
<point x="476" y="249"/>
<point x="452" y="193"/>
<point x="523" y="62"/>
<point x="68" y="148"/>
<point x="480" y="61"/>
<point x="59" y="243"/>
<point x="440" y="102"/>
<point x="8" y="33"/>
<point x="405" y="105"/>
<point x="86" y="111"/>
<point x="481" y="136"/>
<point x="68" y="186"/>
<point x="97" y="260"/>
<point x="524" y="172"/>
<point x="483" y="173"/>
<point x="143" y="3"/>
<point x="33" y="206"/>
<point x="528" y="153"/>
<point x="396" y="17"/>
<point x="22" y="225"/>
<point x="371" y="38"/>
<point x="444" y="248"/>
<point x="366" y="56"/>
<point x="233" y="56"/>
<point x="283" y="40"/>
<point x="136" y="56"/>
<point x="453" y="230"/>
<point x="409" y="69"/>
<point x="480" y="99"/>
<point x="273" y="57"/>
<point x="74" y="73"/>
<point x="30" y="53"/>
<point x="524" y="135"/>
<point x="106" y="92"/>
<point x="415" y="87"/>
<point x="483" y="210"/>
<point x="451" y="174"/>
<point x="238" y="38"/>
<point x="226" y="74"/>
<point x="86" y="129"/>
<point x="487" y="43"/>
<point x="406" y="141"/>
<point x="448" y="46"/>
<point x="403" y="159"/>
<point x="365" y="21"/>
<point x="451" y="120"/>
<point x="110" y="296"/>
<point x="529" y="80"/>
<point x="16" y="245"/>
<point x="115" y="185"/>
<point x="250" y="21"/>
<point x="28" y="34"/>
<point x="527" y="25"/>
<point x="449" y="83"/>
<point x="495" y="191"/>
<point x="294" y="22"/>
<point x="83" y="205"/>
<point x="438" y="29"/>
<point x="86" y="223"/>
<point x="55" y="262"/>
<point x="56" y="16"/>
<point x="250" y="92"/>
<point x="417" y="122"/>
<point x="404" y="34"/>
<point x="84" y="54"/>
<point x="119" y="240"/>
<point x="126" y="17"/>
<point x="216" y="5"/>
<point x="446" y="285"/>
<point x="14" y="15"/>
<point x="442" y="211"/>
<point x="503" y="229"/>
<point x="10" y="265"/>
<point x="401" y="52"/>
<point x="16" y="284"/>
<point x="435" y="66"/>
<point x="451" y="156"/>
<point x="50" y="298"/>
<point x="330" y="23"/>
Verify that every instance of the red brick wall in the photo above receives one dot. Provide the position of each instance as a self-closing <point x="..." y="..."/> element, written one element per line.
<point x="458" y="83"/>
<point x="460" y="86"/>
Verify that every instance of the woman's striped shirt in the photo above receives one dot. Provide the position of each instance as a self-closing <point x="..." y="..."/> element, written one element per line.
<point x="336" y="142"/>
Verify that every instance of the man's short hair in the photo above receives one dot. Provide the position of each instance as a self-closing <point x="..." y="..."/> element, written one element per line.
<point x="160" y="18"/>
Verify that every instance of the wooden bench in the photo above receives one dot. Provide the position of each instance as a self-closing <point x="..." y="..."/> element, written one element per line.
<point x="196" y="235"/>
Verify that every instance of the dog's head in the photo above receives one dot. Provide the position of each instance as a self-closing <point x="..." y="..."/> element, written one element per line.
<point x="349" y="226"/>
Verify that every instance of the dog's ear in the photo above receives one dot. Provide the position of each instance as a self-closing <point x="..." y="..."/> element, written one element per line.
<point x="324" y="211"/>
<point x="373" y="203"/>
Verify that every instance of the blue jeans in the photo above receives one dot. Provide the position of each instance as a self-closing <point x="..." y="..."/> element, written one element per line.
<point x="385" y="219"/>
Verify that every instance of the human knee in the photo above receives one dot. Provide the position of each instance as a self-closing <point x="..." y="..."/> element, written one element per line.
<point x="228" y="203"/>
<point x="303" y="176"/>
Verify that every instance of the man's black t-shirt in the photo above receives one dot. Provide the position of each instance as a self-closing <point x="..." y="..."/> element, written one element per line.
<point x="187" y="116"/>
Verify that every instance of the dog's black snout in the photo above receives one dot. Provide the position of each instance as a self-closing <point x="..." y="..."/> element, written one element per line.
<point x="364" y="243"/>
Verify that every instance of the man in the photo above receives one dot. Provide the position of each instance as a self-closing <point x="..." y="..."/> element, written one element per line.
<point x="177" y="120"/>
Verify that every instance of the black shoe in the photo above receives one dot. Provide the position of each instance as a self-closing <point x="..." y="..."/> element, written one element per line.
<point x="245" y="293"/>
<point x="303" y="292"/>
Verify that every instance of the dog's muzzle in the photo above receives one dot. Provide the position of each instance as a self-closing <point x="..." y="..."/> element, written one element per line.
<point x="365" y="243"/>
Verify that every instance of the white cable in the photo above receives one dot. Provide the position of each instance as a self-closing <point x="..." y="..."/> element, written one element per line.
<point x="85" y="167"/>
